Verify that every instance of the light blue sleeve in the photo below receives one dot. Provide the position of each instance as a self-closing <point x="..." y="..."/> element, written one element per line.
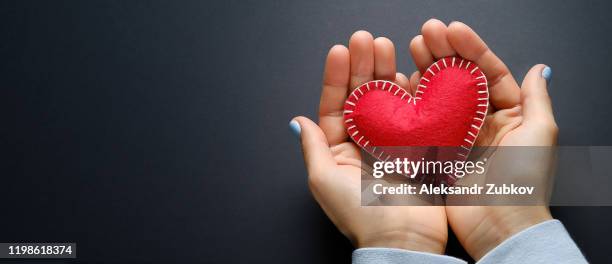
<point x="395" y="256"/>
<point x="546" y="242"/>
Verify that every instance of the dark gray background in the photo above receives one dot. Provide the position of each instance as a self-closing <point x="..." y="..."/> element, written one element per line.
<point x="157" y="130"/>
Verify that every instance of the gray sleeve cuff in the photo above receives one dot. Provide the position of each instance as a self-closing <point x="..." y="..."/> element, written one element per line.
<point x="395" y="256"/>
<point x="546" y="242"/>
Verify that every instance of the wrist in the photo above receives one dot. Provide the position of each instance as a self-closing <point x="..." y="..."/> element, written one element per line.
<point x="501" y="224"/>
<point x="413" y="241"/>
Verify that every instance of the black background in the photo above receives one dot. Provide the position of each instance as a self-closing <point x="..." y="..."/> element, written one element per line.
<point x="157" y="130"/>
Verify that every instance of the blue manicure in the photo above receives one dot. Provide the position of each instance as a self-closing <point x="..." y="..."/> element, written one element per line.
<point x="294" y="126"/>
<point x="547" y="74"/>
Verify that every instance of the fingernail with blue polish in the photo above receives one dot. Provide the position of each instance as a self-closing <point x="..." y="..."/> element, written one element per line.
<point x="294" y="126"/>
<point x="547" y="74"/>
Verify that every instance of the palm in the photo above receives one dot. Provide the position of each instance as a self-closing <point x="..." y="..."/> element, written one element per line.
<point x="504" y="128"/>
<point x="389" y="222"/>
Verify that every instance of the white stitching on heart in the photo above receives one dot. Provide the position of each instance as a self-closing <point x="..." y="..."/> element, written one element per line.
<point x="359" y="90"/>
<point x="473" y="70"/>
<point x="388" y="86"/>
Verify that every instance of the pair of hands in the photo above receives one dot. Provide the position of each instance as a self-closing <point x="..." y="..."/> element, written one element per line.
<point x="518" y="116"/>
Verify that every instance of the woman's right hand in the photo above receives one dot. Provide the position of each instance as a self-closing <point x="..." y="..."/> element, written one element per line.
<point x="517" y="117"/>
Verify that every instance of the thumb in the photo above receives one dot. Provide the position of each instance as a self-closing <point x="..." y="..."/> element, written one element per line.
<point x="537" y="107"/>
<point x="315" y="148"/>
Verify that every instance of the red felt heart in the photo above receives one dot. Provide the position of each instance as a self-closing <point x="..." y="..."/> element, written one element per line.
<point x="447" y="109"/>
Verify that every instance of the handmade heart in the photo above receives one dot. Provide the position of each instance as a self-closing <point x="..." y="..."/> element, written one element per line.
<point x="447" y="109"/>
